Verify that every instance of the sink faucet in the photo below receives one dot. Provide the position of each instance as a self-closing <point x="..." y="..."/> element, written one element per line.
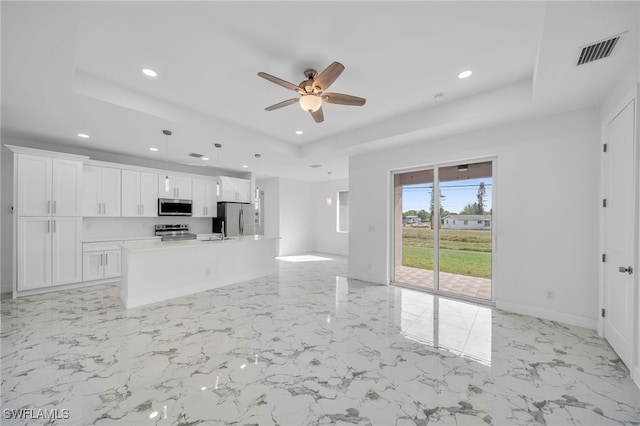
<point x="222" y="229"/>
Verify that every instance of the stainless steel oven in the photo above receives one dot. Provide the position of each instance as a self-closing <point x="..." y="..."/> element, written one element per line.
<point x="173" y="207"/>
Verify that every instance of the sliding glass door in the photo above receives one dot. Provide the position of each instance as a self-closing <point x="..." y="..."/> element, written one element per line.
<point x="414" y="237"/>
<point x="443" y="224"/>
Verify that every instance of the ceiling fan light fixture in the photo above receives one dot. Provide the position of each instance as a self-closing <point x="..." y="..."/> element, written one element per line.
<point x="310" y="103"/>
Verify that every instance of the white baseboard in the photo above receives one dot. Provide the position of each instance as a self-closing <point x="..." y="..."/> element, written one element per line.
<point x="547" y="314"/>
<point x="368" y="278"/>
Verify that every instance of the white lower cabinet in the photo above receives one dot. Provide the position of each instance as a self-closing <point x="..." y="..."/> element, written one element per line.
<point x="100" y="260"/>
<point x="49" y="251"/>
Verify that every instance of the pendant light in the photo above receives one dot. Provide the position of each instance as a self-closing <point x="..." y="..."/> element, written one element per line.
<point x="329" y="199"/>
<point x="257" y="174"/>
<point x="218" y="146"/>
<point x="167" y="133"/>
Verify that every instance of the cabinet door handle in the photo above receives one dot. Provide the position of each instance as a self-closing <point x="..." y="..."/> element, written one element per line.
<point x="54" y="207"/>
<point x="48" y="226"/>
<point x="54" y="226"/>
<point x="141" y="209"/>
<point x="48" y="206"/>
<point x="106" y="259"/>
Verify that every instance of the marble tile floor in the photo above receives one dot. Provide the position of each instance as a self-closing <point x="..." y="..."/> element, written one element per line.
<point x="305" y="346"/>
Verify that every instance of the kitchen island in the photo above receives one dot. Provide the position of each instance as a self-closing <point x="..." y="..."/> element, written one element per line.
<point x="161" y="270"/>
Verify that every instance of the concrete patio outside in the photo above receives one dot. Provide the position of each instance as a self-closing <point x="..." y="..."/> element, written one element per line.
<point x="453" y="283"/>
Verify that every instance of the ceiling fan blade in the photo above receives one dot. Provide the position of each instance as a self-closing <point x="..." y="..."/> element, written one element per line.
<point x="282" y="104"/>
<point x="339" y="98"/>
<point x="318" y="115"/>
<point x="328" y="76"/>
<point x="278" y="81"/>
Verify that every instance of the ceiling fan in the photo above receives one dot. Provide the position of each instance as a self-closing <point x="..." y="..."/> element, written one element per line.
<point x="312" y="90"/>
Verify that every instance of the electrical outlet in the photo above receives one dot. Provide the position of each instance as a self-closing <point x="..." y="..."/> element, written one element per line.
<point x="551" y="295"/>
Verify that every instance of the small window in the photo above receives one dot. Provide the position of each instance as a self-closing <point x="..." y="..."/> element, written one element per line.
<point x="466" y="222"/>
<point x="343" y="211"/>
<point x="480" y="222"/>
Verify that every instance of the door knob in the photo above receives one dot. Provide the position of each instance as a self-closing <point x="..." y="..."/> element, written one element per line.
<point x="628" y="269"/>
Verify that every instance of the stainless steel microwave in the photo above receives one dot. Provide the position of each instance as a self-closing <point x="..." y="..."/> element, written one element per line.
<point x="173" y="207"/>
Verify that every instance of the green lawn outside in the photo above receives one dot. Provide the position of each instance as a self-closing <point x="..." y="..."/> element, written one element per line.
<point x="463" y="252"/>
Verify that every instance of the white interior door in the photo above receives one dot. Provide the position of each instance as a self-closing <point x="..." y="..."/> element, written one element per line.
<point x="619" y="233"/>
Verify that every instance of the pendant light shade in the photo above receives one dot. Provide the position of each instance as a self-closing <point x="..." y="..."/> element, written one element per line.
<point x="167" y="133"/>
<point x="217" y="146"/>
<point x="257" y="174"/>
<point x="329" y="199"/>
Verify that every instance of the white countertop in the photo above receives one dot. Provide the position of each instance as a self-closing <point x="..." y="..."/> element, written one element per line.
<point x="167" y="245"/>
<point x="111" y="239"/>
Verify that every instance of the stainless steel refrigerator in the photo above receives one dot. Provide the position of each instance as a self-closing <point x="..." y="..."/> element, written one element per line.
<point x="238" y="218"/>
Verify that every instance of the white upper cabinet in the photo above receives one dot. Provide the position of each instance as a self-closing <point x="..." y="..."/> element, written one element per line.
<point x="101" y="191"/>
<point x="234" y="190"/>
<point x="139" y="194"/>
<point x="204" y="198"/>
<point x="48" y="186"/>
<point x="34" y="185"/>
<point x="178" y="187"/>
<point x="148" y="194"/>
<point x="67" y="188"/>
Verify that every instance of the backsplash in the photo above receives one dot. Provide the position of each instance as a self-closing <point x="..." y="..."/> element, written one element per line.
<point x="98" y="227"/>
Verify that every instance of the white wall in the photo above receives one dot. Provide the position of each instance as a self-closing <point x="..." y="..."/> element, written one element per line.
<point x="326" y="237"/>
<point x="296" y="217"/>
<point x="545" y="167"/>
<point x="271" y="207"/>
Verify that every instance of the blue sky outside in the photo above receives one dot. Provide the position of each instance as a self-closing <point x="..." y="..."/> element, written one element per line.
<point x="457" y="194"/>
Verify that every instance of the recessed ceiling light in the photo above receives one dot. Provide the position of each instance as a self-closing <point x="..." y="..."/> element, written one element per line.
<point x="205" y="159"/>
<point x="245" y="166"/>
<point x="299" y="132"/>
<point x="465" y="74"/>
<point x="149" y="72"/>
<point x="83" y="135"/>
<point x="153" y="149"/>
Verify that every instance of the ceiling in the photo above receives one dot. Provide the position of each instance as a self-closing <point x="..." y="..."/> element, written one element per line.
<point x="75" y="67"/>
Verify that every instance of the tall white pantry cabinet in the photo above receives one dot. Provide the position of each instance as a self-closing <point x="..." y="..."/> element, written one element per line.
<point x="48" y="200"/>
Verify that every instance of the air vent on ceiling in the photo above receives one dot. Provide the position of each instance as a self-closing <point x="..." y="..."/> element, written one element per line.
<point x="598" y="50"/>
<point x="315" y="166"/>
<point x="193" y="154"/>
